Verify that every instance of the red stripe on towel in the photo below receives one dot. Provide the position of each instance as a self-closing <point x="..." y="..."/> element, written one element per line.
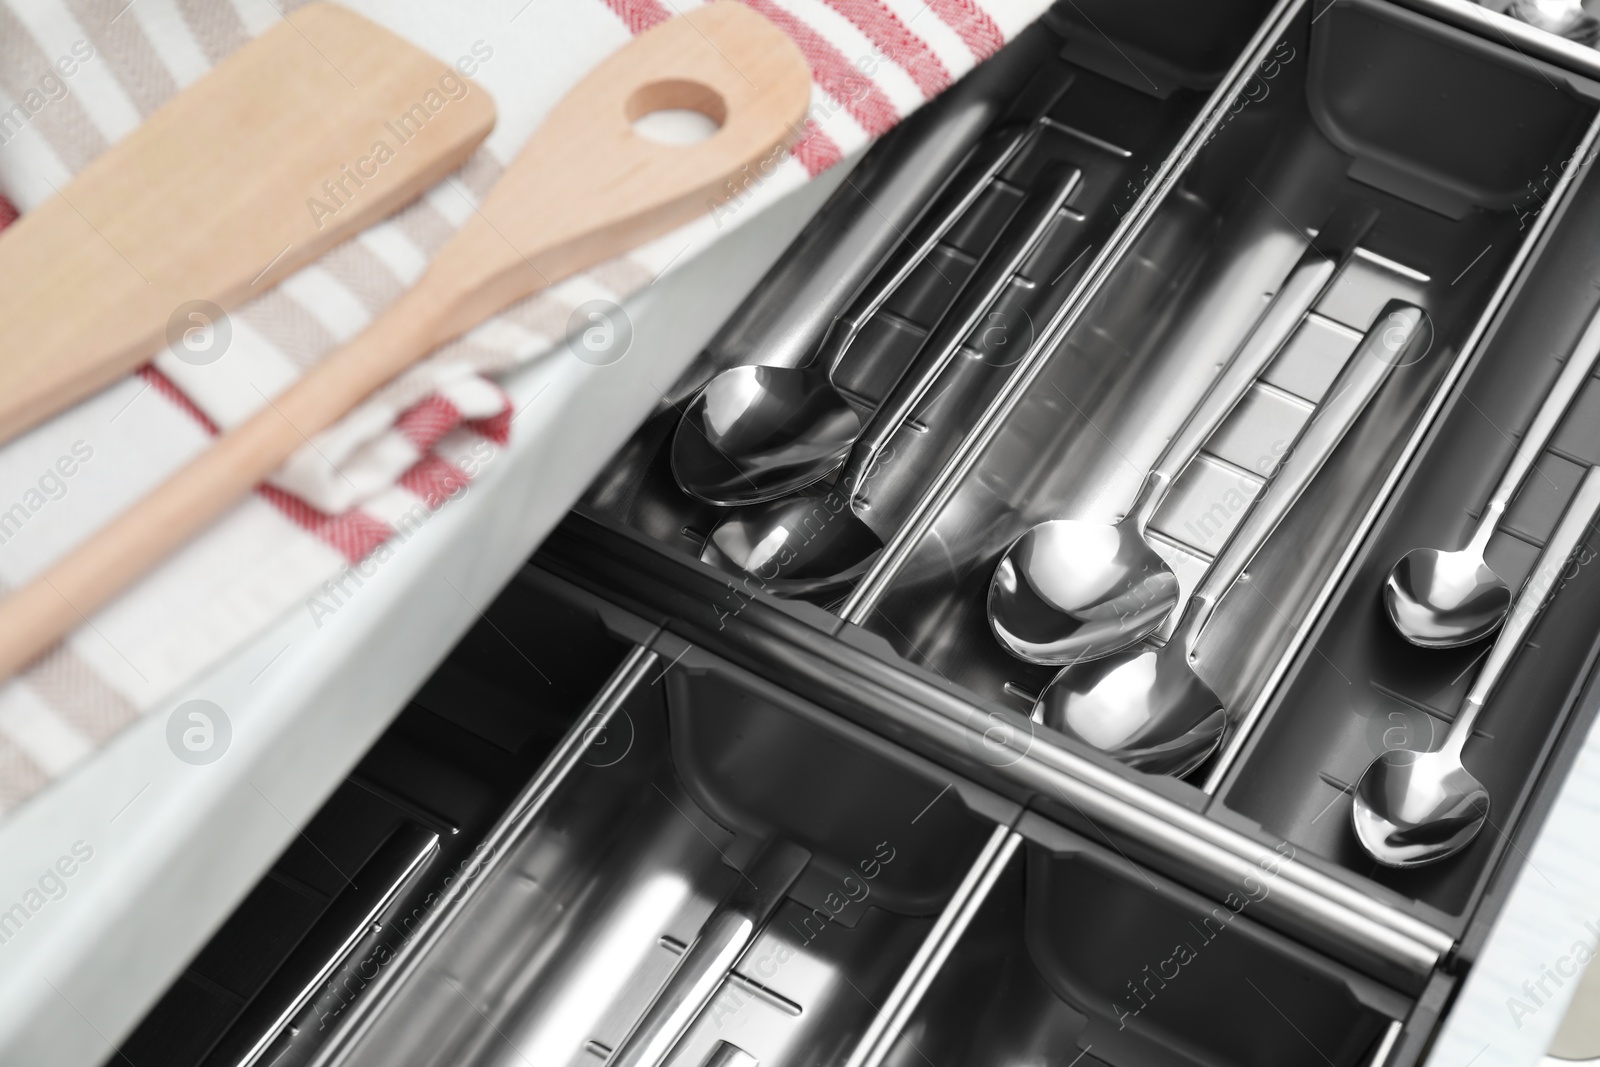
<point x="972" y="24"/>
<point x="904" y="48"/>
<point x="639" y="15"/>
<point x="428" y="420"/>
<point x="838" y="77"/>
<point x="353" y="534"/>
<point x="435" y="480"/>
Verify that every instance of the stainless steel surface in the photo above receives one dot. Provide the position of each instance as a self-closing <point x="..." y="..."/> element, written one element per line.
<point x="890" y="1022"/>
<point x="1439" y="599"/>
<point x="1047" y="973"/>
<point x="786" y="317"/>
<point x="755" y="433"/>
<point x="1153" y="820"/>
<point x="1090" y="284"/>
<point x="1071" y="590"/>
<point x="1149" y="707"/>
<point x="1560" y="194"/>
<point x="592" y="726"/>
<point x="1380" y="1056"/>
<point x="709" y="958"/>
<point x="1349" y="922"/>
<point x="727" y="1054"/>
<point x="596" y="935"/>
<point x="1100" y="411"/>
<point x="815" y="542"/>
<point x="265" y="1032"/>
<point x="1412" y="808"/>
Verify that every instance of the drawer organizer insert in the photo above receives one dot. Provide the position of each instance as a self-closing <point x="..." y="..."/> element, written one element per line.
<point x="1471" y="159"/>
<point x="719" y="872"/>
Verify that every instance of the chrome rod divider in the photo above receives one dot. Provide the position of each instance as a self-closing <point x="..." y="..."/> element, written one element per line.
<point x="529" y="803"/>
<point x="936" y="947"/>
<point x="1386" y="1046"/>
<point x="709" y="960"/>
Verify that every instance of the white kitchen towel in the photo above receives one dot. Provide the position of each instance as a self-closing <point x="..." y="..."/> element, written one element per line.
<point x="371" y="479"/>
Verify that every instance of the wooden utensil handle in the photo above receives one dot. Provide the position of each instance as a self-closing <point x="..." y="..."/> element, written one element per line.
<point x="583" y="189"/>
<point x="254" y="171"/>
<point x="114" y="557"/>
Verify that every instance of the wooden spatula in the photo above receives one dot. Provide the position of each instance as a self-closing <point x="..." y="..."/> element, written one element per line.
<point x="585" y="188"/>
<point x="299" y="140"/>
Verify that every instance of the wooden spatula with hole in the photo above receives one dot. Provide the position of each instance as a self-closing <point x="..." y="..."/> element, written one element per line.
<point x="585" y="188"/>
<point x="299" y="140"/>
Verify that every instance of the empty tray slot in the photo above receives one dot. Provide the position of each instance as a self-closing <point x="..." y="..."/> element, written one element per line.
<point x="657" y="825"/>
<point x="1077" y="956"/>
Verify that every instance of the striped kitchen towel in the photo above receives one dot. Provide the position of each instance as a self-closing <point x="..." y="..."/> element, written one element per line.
<point x="76" y="75"/>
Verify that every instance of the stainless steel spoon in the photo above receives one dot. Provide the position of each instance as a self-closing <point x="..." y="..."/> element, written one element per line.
<point x="1146" y="706"/>
<point x="1412" y="808"/>
<point x="754" y="434"/>
<point x="1071" y="590"/>
<point x="1440" y="599"/>
<point x="814" y="542"/>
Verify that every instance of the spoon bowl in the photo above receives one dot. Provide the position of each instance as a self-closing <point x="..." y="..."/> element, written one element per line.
<point x="755" y="434"/>
<point x="1144" y="707"/>
<point x="811" y="544"/>
<point x="1412" y="808"/>
<point x="1444" y="599"/>
<point x="1069" y="591"/>
<point x="814" y="542"/>
<point x="1440" y="599"/>
<point x="1149" y="707"/>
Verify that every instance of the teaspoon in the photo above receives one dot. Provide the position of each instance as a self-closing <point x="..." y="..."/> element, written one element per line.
<point x="1412" y="808"/>
<point x="1440" y="599"/>
<point x="814" y="542"/>
<point x="1071" y="590"/>
<point x="754" y="434"/>
<point x="1146" y="706"/>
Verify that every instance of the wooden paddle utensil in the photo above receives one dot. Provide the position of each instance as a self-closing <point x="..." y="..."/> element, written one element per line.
<point x="302" y="138"/>
<point x="585" y="188"/>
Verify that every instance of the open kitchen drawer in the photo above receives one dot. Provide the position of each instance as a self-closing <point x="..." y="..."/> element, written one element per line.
<point x="885" y="905"/>
<point x="809" y="817"/>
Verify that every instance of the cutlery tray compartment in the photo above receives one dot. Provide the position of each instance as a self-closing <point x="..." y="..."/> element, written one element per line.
<point x="982" y="944"/>
<point x="1357" y="689"/>
<point x="1315" y="131"/>
<point x="1110" y="108"/>
<point x="544" y="938"/>
<point x="584" y="911"/>
<point x="1077" y="953"/>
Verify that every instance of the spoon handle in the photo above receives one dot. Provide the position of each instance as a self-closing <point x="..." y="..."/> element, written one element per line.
<point x="974" y="176"/>
<point x="1580" y="364"/>
<point x="1563" y="542"/>
<point x="1394" y="339"/>
<point x="1311" y="277"/>
<point x="1017" y="242"/>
